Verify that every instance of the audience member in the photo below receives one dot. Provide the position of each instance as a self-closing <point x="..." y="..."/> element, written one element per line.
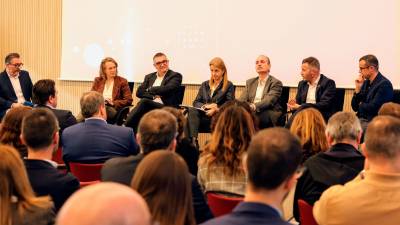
<point x="115" y="89"/>
<point x="273" y="159"/>
<point x="315" y="90"/>
<point x="340" y="164"/>
<point x="15" y="85"/>
<point x="372" y="90"/>
<point x="309" y="126"/>
<point x="10" y="129"/>
<point x="373" y="196"/>
<point x="157" y="90"/>
<point x="95" y="141"/>
<point x="40" y="135"/>
<point x="163" y="179"/>
<point x="390" y="109"/>
<point x="220" y="165"/>
<point x="212" y="94"/>
<point x="105" y="204"/>
<point x="18" y="203"/>
<point x="263" y="94"/>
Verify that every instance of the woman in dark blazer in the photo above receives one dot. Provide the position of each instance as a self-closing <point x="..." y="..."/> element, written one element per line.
<point x="114" y="88"/>
<point x="212" y="94"/>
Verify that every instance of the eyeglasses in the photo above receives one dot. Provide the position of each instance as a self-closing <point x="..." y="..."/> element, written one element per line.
<point x="17" y="64"/>
<point x="161" y="62"/>
<point x="362" y="68"/>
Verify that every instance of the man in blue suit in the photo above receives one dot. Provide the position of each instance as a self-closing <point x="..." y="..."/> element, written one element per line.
<point x="273" y="158"/>
<point x="15" y="84"/>
<point x="95" y="141"/>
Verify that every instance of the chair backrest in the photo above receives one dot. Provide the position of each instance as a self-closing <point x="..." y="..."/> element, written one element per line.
<point x="86" y="172"/>
<point x="306" y="215"/>
<point x="57" y="156"/>
<point x="396" y="96"/>
<point x="181" y="93"/>
<point x="131" y="85"/>
<point x="221" y="205"/>
<point x="338" y="100"/>
<point x="283" y="100"/>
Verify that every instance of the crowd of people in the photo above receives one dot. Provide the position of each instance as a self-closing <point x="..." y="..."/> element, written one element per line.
<point x="345" y="164"/>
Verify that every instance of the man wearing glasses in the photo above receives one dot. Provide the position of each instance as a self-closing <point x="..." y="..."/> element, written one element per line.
<point x="372" y="90"/>
<point x="157" y="90"/>
<point x="15" y="85"/>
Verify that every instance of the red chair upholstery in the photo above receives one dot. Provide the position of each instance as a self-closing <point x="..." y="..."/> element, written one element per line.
<point x="87" y="183"/>
<point x="57" y="156"/>
<point x="221" y="205"/>
<point x="86" y="172"/>
<point x="306" y="215"/>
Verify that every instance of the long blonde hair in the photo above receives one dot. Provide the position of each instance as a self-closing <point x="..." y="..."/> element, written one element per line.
<point x="219" y="63"/>
<point x="14" y="183"/>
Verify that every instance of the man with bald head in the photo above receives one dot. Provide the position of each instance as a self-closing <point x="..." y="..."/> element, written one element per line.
<point x="263" y="94"/>
<point x="109" y="204"/>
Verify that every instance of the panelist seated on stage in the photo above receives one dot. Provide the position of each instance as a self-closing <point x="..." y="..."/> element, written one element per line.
<point x="315" y="90"/>
<point x="157" y="90"/>
<point x="115" y="89"/>
<point x="212" y="94"/>
<point x="263" y="94"/>
<point x="15" y="85"/>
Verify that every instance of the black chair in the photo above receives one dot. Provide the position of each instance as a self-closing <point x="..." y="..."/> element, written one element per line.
<point x="181" y="94"/>
<point x="123" y="113"/>
<point x="396" y="96"/>
<point x="338" y="100"/>
<point x="283" y="103"/>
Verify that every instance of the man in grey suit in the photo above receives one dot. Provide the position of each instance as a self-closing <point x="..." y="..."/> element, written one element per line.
<point x="263" y="93"/>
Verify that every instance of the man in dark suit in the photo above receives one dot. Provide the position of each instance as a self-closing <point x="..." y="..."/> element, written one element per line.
<point x="263" y="94"/>
<point x="273" y="158"/>
<point x="45" y="95"/>
<point x="40" y="135"/>
<point x="157" y="130"/>
<point x="95" y="141"/>
<point x="372" y="90"/>
<point x="157" y="90"/>
<point x="15" y="84"/>
<point x="315" y="90"/>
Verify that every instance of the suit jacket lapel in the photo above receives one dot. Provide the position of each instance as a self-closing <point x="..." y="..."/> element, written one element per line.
<point x="266" y="87"/>
<point x="152" y="78"/>
<point x="253" y="89"/>
<point x="165" y="78"/>
<point x="9" y="85"/>
<point x="116" y="86"/>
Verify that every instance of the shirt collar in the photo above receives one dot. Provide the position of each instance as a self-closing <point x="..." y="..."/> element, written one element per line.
<point x="263" y="81"/>
<point x="12" y="77"/>
<point x="316" y="81"/>
<point x="96" y="118"/>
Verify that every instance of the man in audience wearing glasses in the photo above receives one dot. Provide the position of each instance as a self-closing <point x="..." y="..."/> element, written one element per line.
<point x="157" y="90"/>
<point x="15" y="85"/>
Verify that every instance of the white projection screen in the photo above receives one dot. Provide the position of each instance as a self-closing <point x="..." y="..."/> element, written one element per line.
<point x="191" y="32"/>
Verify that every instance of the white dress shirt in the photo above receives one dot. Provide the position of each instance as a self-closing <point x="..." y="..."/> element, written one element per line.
<point x="260" y="89"/>
<point x="311" y="93"/>
<point x="17" y="88"/>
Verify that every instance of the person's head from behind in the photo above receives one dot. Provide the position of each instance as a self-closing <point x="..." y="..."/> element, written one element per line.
<point x="13" y="63"/>
<point x="382" y="143"/>
<point x="343" y="127"/>
<point x="218" y="73"/>
<point x="44" y="92"/>
<point x="309" y="126"/>
<point x="163" y="179"/>
<point x="10" y="129"/>
<point x="108" y="68"/>
<point x="40" y="130"/>
<point x="92" y="105"/>
<point x="15" y="187"/>
<point x="273" y="157"/>
<point x="157" y="130"/>
<point x="310" y="68"/>
<point x="230" y="138"/>
<point x="109" y="204"/>
<point x="180" y="118"/>
<point x="161" y="63"/>
<point x="390" y="109"/>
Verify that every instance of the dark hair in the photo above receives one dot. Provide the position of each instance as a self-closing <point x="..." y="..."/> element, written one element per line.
<point x="158" y="54"/>
<point x="163" y="179"/>
<point x="42" y="90"/>
<point x="90" y="103"/>
<point x="311" y="61"/>
<point x="383" y="137"/>
<point x="38" y="128"/>
<point x="181" y="119"/>
<point x="157" y="129"/>
<point x="11" y="56"/>
<point x="370" y="60"/>
<point x="273" y="156"/>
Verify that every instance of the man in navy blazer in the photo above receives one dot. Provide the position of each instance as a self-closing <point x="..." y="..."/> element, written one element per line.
<point x="315" y="90"/>
<point x="273" y="158"/>
<point x="95" y="141"/>
<point x="157" y="90"/>
<point x="15" y="84"/>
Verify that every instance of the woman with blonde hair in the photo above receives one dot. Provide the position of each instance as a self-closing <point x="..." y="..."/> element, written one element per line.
<point x="115" y="89"/>
<point x="18" y="204"/>
<point x="212" y="94"/>
<point x="163" y="180"/>
<point x="220" y="165"/>
<point x="309" y="126"/>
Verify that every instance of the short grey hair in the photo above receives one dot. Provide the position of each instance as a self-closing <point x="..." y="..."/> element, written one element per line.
<point x="90" y="103"/>
<point x="343" y="125"/>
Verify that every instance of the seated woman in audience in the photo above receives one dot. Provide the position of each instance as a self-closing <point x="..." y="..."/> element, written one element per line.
<point x="212" y="94"/>
<point x="309" y="126"/>
<point x="114" y="88"/>
<point x="18" y="204"/>
<point x="10" y="129"/>
<point x="220" y="165"/>
<point x="163" y="180"/>
<point x="183" y="145"/>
